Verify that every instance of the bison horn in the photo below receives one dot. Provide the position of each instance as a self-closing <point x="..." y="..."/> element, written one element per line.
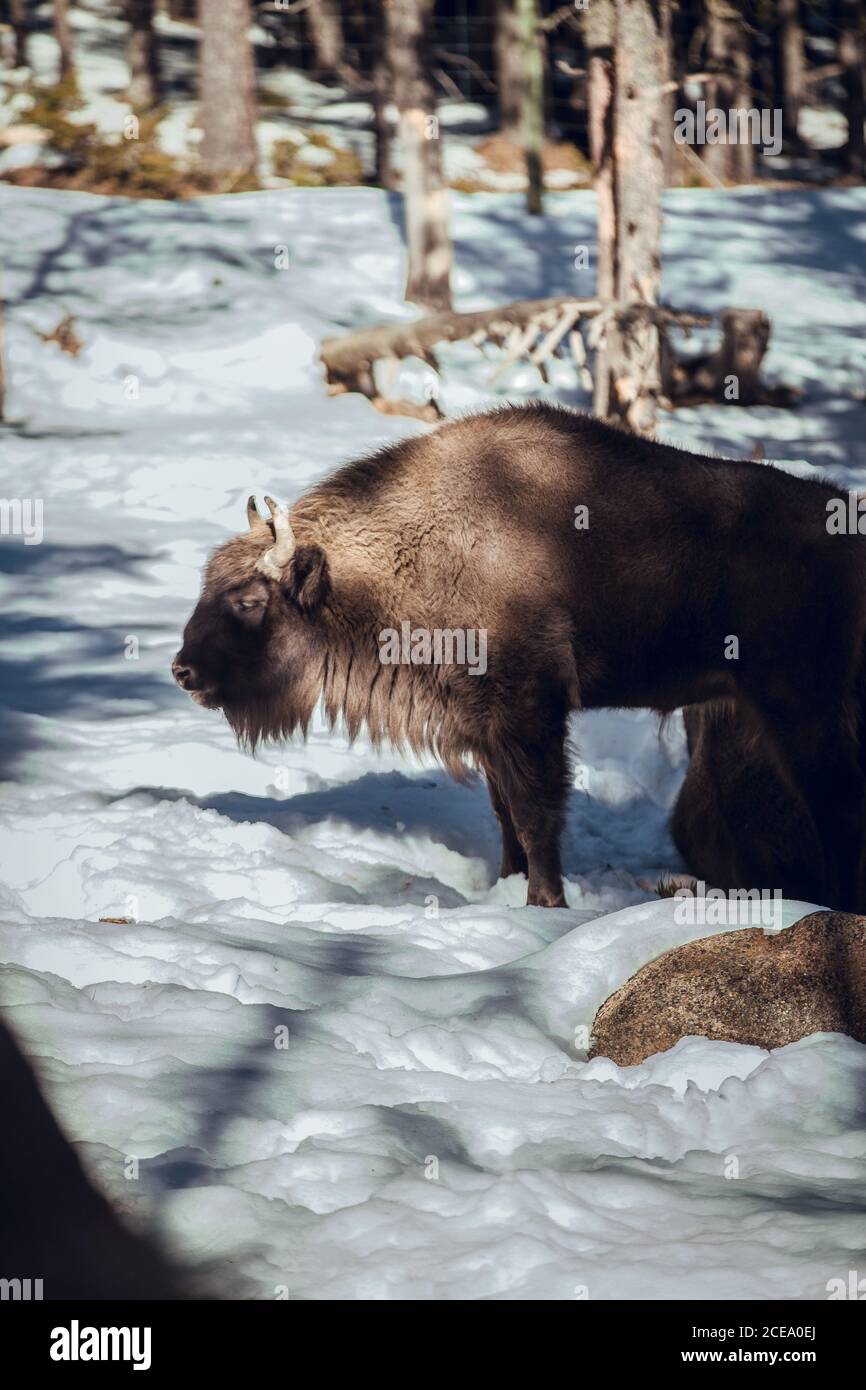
<point x="279" y="554"/>
<point x="253" y="514"/>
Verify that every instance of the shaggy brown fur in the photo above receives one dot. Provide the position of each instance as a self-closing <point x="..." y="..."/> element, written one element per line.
<point x="473" y="527"/>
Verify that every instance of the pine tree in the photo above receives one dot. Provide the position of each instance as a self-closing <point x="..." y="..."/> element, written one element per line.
<point x="628" y="369"/>
<point x="142" y="54"/>
<point x="18" y="20"/>
<point x="532" y="112"/>
<point x="425" y="195"/>
<point x="852" y="56"/>
<point x="326" y="36"/>
<point x="227" y="89"/>
<point x="63" y="35"/>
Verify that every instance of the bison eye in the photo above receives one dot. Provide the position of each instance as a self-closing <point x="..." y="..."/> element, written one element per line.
<point x="248" y="604"/>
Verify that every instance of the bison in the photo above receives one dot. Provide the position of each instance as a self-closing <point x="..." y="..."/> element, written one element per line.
<point x="600" y="569"/>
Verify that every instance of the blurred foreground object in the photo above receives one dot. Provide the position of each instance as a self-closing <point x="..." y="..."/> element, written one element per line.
<point x="54" y="1225"/>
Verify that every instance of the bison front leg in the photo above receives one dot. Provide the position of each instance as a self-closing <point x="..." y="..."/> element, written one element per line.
<point x="530" y="779"/>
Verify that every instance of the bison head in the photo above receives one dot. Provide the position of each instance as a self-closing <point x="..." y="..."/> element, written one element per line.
<point x="254" y="645"/>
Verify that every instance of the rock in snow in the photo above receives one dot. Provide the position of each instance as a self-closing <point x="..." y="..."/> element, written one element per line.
<point x="764" y="989"/>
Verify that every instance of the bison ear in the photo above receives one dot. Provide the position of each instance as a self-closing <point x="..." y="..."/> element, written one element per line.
<point x="306" y="580"/>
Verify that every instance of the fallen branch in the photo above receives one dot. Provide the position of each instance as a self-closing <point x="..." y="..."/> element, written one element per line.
<point x="538" y="329"/>
<point x="350" y="358"/>
<point x="701" y="168"/>
<point x="462" y="60"/>
<point x="564" y="15"/>
<point x="448" y="84"/>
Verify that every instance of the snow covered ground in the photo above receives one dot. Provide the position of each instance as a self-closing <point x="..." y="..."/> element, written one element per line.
<point x="348" y="1062"/>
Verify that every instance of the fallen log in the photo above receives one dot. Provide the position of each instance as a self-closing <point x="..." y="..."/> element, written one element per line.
<point x="538" y="329"/>
<point x="532" y="328"/>
<point x="349" y="359"/>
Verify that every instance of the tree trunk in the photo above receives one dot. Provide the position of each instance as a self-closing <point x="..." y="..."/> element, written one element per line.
<point x="142" y="54"/>
<point x="598" y="33"/>
<point x="852" y="56"/>
<point x="729" y="62"/>
<point x="425" y="196"/>
<point x="382" y="96"/>
<point x="732" y="373"/>
<point x="2" y="360"/>
<point x="326" y="35"/>
<point x="532" y="114"/>
<point x="510" y="74"/>
<point x="18" y="20"/>
<point x="227" y="88"/>
<point x="631" y="356"/>
<point x="791" y="66"/>
<point x="669" y="95"/>
<point x="63" y="35"/>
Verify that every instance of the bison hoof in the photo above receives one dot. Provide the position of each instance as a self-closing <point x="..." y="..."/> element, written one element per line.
<point x="546" y="897"/>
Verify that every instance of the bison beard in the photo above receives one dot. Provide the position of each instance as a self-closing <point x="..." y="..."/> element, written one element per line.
<point x="605" y="570"/>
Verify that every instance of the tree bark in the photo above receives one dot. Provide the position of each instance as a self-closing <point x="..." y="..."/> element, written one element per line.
<point x="18" y="21"/>
<point x="510" y="74"/>
<point x="227" y="88"/>
<point x="669" y="95"/>
<point x="382" y="96"/>
<point x="791" y="66"/>
<point x="425" y="195"/>
<point x="63" y="35"/>
<point x="2" y="360"/>
<point x="728" y="59"/>
<point x="630" y="359"/>
<point x="532" y="113"/>
<point x="852" y="56"/>
<point x="326" y="36"/>
<point x="142" y="55"/>
<point x="598" y="35"/>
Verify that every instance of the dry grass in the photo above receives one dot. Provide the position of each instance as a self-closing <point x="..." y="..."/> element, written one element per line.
<point x="133" y="168"/>
<point x="342" y="170"/>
